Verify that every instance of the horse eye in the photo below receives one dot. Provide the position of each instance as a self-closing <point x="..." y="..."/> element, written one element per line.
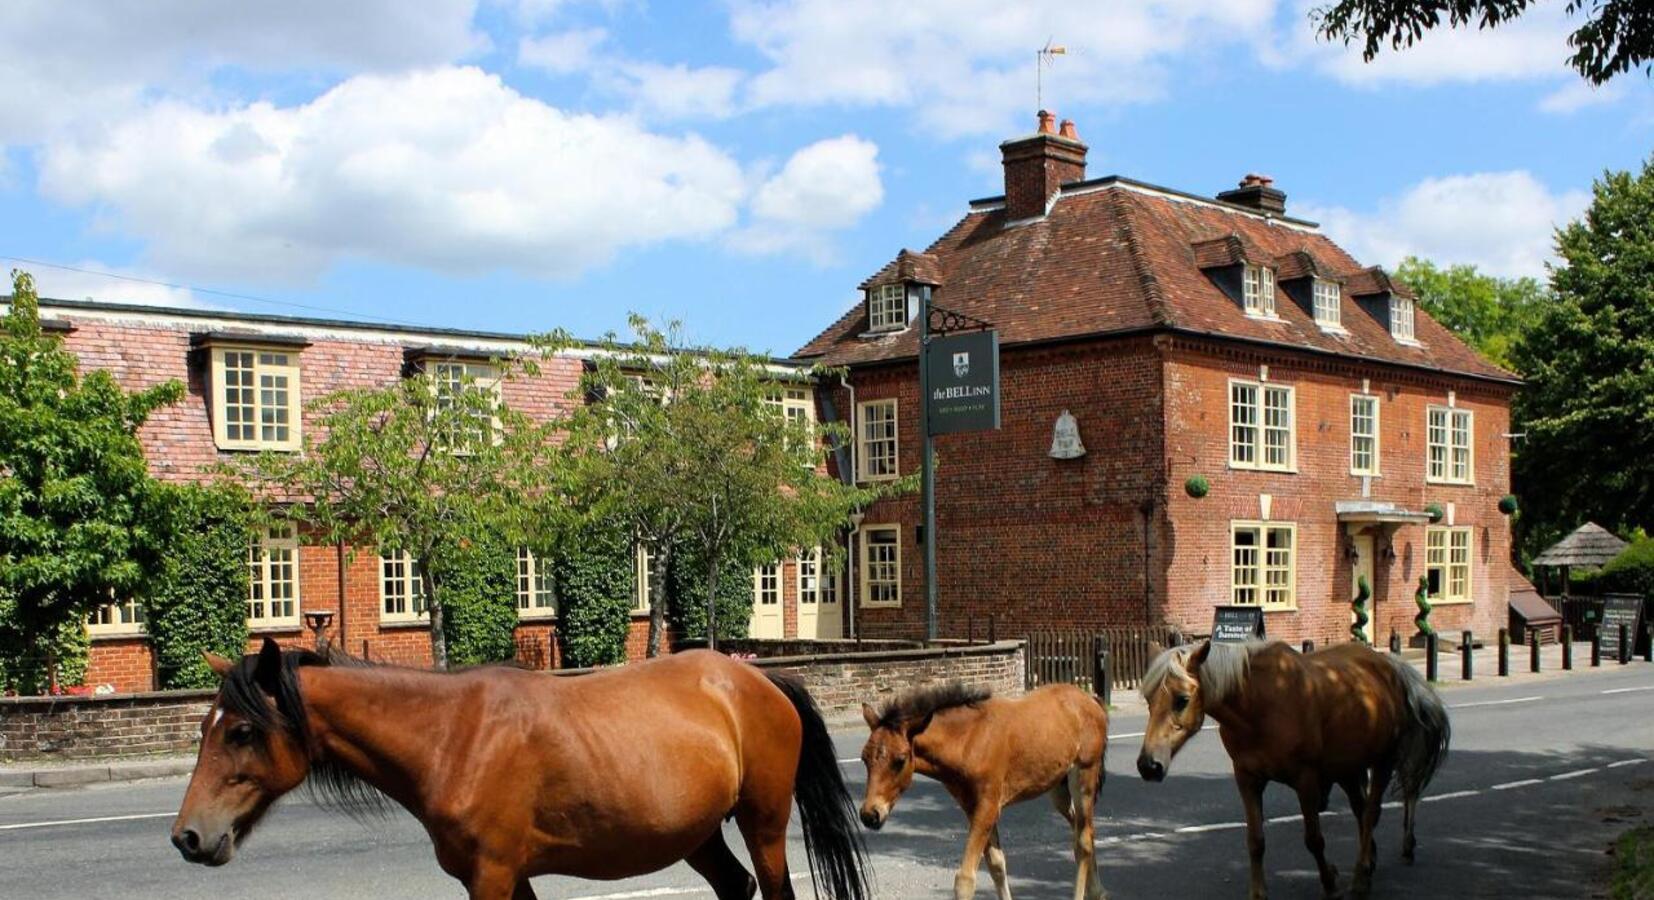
<point x="1180" y="703"/>
<point x="898" y="763"/>
<point x="241" y="734"/>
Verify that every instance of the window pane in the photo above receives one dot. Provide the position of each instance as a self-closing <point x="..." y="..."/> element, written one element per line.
<point x="1243" y="428"/>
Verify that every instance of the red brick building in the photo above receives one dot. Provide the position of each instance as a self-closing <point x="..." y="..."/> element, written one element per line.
<point x="1175" y="335"/>
<point x="247" y="378"/>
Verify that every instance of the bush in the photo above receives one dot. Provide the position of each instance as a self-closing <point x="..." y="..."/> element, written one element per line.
<point x="24" y="653"/>
<point x="594" y="572"/>
<point x="688" y="610"/>
<point x="479" y="601"/>
<point x="1632" y="572"/>
<point x="197" y="601"/>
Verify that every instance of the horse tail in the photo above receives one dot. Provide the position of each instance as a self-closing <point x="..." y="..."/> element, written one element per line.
<point x="1425" y="733"/>
<point x="832" y="836"/>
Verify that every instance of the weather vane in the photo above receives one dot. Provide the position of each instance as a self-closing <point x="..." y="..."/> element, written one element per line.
<point x="1043" y="58"/>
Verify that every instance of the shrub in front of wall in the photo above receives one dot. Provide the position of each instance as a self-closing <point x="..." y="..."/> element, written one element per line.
<point x="687" y="613"/>
<point x="1632" y="572"/>
<point x="594" y="576"/>
<point x="197" y="601"/>
<point x="25" y="654"/>
<point x="479" y="601"/>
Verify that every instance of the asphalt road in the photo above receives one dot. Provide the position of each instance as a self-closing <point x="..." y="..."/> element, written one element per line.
<point x="1541" y="777"/>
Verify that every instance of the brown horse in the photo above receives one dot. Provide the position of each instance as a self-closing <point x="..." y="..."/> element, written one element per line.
<point x="990" y="752"/>
<point x="515" y="774"/>
<point x="1344" y="716"/>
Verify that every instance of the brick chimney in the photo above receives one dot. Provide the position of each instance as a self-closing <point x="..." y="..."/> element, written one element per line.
<point x="1257" y="192"/>
<point x="1037" y="165"/>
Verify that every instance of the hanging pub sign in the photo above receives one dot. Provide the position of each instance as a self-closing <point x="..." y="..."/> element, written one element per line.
<point x="963" y="380"/>
<point x="1237" y="624"/>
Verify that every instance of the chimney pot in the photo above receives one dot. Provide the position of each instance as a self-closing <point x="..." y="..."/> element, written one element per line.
<point x="1046" y="123"/>
<point x="1067" y="130"/>
<point x="1257" y="192"/>
<point x="1038" y="165"/>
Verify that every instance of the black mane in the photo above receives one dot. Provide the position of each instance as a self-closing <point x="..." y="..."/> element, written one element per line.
<point x="921" y="702"/>
<point x="246" y="692"/>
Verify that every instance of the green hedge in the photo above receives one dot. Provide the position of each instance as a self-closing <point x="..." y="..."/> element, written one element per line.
<point x="594" y="573"/>
<point x="479" y="601"/>
<point x="1631" y="572"/>
<point x="687" y="613"/>
<point x="23" y="668"/>
<point x="197" y="602"/>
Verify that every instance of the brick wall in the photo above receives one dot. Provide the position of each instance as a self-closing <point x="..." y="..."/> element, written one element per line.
<point x="113" y="725"/>
<point x="841" y="683"/>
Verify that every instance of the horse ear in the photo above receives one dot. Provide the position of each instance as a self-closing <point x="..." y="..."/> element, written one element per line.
<point x="219" y="665"/>
<point x="1198" y="658"/>
<point x="870" y="716"/>
<point x="267" y="671"/>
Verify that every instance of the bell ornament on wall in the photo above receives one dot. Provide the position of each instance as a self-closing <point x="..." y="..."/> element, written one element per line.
<point x="1065" y="438"/>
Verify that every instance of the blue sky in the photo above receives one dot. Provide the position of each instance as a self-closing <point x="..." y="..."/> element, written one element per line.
<point x="739" y="165"/>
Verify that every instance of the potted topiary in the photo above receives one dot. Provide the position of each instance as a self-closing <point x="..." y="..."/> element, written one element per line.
<point x="1197" y="486"/>
<point x="1508" y="504"/>
<point x="1435" y="510"/>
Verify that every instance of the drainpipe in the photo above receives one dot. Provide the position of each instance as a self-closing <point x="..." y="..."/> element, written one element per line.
<point x="852" y="595"/>
<point x="344" y="642"/>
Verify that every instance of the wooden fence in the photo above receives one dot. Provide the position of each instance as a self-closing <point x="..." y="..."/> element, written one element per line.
<point x="1067" y="655"/>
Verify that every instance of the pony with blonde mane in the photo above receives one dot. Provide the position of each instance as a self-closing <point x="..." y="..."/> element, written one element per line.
<point x="1345" y="716"/>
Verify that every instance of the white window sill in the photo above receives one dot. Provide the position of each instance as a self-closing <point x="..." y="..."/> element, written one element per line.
<point x="870" y="605"/>
<point x="119" y="634"/>
<point x="1264" y="317"/>
<point x="1281" y="609"/>
<point x="883" y="332"/>
<point x="254" y="448"/>
<point x="1463" y="602"/>
<point x="1335" y="330"/>
<point x="524" y="615"/>
<point x="1356" y="474"/>
<point x="1442" y="482"/>
<point x="274" y="628"/>
<point x="864" y="479"/>
<point x="1269" y="470"/>
<point x="404" y="623"/>
<point x="1409" y="342"/>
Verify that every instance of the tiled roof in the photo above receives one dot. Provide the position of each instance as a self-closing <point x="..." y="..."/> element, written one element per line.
<point x="1116" y="255"/>
<point x="921" y="268"/>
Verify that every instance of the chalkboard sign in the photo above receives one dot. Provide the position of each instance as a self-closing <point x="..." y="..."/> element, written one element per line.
<point x="1235" y="624"/>
<point x="1617" y="610"/>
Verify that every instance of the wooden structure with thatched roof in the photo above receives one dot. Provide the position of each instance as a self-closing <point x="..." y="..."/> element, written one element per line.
<point x="1590" y="545"/>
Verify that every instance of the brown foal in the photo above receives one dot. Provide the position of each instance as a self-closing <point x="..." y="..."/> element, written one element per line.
<point x="990" y="752"/>
<point x="515" y="773"/>
<point x="1345" y="716"/>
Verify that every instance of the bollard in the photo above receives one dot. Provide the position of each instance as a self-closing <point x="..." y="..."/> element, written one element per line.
<point x="1099" y="671"/>
<point x="1504" y="652"/>
<point x="1625" y="645"/>
<point x="1465" y="640"/>
<point x="1567" y="648"/>
<point x="1648" y="644"/>
<point x="1308" y="647"/>
<point x="1533" y="650"/>
<point x="1432" y="669"/>
<point x="1395" y="642"/>
<point x="1596" y="648"/>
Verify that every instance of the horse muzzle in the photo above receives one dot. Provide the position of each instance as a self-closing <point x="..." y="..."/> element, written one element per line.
<point x="1150" y="768"/>
<point x="873" y="818"/>
<point x="204" y="851"/>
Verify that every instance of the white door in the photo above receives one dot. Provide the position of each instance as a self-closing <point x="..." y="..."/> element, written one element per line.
<point x="818" y="605"/>
<point x="1363" y="568"/>
<point x="766" y="603"/>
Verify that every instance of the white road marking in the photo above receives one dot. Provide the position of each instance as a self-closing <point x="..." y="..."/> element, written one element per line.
<point x="1495" y="702"/>
<point x="665" y="891"/>
<point x="1625" y="762"/>
<point x="1516" y="784"/>
<point x="1131" y="735"/>
<point x="92" y="821"/>
<point x="1646" y="687"/>
<point x="1450" y="795"/>
<point x="1202" y="829"/>
<point x="1574" y="774"/>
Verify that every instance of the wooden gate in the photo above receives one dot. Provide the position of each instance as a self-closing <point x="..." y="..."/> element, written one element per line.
<point x="1067" y="655"/>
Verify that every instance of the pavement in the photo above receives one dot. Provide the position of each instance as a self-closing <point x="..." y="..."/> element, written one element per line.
<point x="1544" y="773"/>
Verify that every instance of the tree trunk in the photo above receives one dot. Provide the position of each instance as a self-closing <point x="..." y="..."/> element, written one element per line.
<point x="439" y="636"/>
<point x="712" y="600"/>
<point x="657" y="597"/>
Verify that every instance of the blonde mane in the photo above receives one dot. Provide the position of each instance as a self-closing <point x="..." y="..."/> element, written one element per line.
<point x="1222" y="675"/>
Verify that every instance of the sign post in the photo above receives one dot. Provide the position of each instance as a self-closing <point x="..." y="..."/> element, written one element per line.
<point x="1237" y="624"/>
<point x="1617" y="610"/>
<point x="958" y="391"/>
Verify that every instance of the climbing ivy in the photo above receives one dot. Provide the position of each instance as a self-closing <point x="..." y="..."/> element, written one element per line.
<point x="594" y="576"/>
<point x="688" y="611"/>
<point x="479" y="582"/>
<point x="24" y="653"/>
<point x="197" y="602"/>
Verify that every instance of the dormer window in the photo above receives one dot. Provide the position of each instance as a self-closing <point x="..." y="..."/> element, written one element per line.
<point x="1258" y="291"/>
<point x="1401" y="319"/>
<point x="1327" y="296"/>
<point x="887" y="307"/>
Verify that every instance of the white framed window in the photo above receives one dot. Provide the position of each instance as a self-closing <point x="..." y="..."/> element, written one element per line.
<point x="1258" y="291"/>
<point x="451" y="378"/>
<point x="887" y="307"/>
<point x="881" y="565"/>
<point x="766" y="585"/>
<point x="1328" y="304"/>
<point x="1447" y="563"/>
<point x="401" y="588"/>
<point x="808" y="566"/>
<point x="829" y="587"/>
<point x="876" y="440"/>
<point x="273" y="578"/>
<point x="256" y="393"/>
<point x="1401" y="319"/>
<point x="1263" y="564"/>
<point x="1450" y="457"/>
<point x="1363" y="434"/>
<point x="644" y="586"/>
<point x="536" y="589"/>
<point x="795" y="403"/>
<point x="1262" y="430"/>
<point x="116" y="618"/>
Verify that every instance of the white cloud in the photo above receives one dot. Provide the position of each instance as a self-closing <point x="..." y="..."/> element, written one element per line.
<point x="1578" y="94"/>
<point x="444" y="169"/>
<point x="679" y="91"/>
<point x="966" y="66"/>
<point x="561" y="53"/>
<point x="89" y="284"/>
<point x="77" y="63"/>
<point x="1501" y="222"/>
<point x="828" y="186"/>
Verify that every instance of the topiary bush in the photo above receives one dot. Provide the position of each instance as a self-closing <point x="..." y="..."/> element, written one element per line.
<point x="594" y="573"/>
<point x="197" y="601"/>
<point x="1436" y="511"/>
<point x="687" y="613"/>
<point x="1197" y="486"/>
<point x="1508" y="504"/>
<point x="1632" y="572"/>
<point x="479" y="601"/>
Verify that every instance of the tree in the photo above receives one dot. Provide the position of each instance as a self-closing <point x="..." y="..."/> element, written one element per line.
<point x="693" y="448"/>
<point x="71" y="503"/>
<point x="1589" y="363"/>
<point x="1487" y="312"/>
<point x="424" y="466"/>
<point x="1616" y="36"/>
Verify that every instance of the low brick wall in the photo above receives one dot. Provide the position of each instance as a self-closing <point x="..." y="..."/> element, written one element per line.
<point x="169" y="721"/>
<point x="764" y="648"/>
<point x="110" y="725"/>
